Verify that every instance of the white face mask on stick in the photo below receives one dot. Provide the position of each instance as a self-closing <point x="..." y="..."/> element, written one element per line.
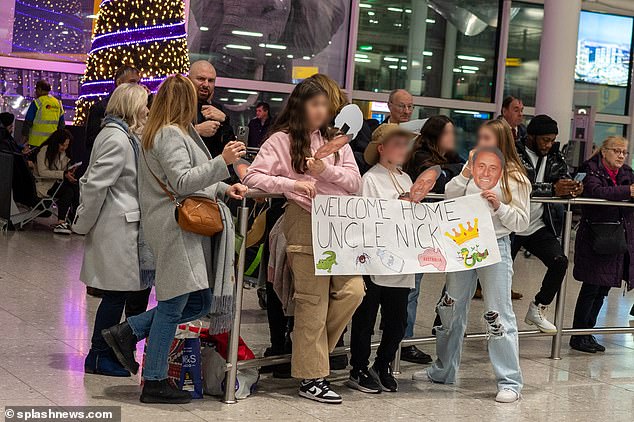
<point x="349" y="122"/>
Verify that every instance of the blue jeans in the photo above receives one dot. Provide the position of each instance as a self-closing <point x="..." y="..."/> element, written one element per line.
<point x="412" y="306"/>
<point x="159" y="324"/>
<point x="502" y="328"/>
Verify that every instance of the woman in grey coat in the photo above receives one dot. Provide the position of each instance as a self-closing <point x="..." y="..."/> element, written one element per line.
<point x="109" y="215"/>
<point x="174" y="154"/>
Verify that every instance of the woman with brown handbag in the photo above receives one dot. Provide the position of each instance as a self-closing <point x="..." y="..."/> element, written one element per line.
<point x="176" y="168"/>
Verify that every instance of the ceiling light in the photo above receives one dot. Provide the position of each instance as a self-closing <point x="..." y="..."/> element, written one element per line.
<point x="428" y="53"/>
<point x="241" y="91"/>
<point x="278" y="99"/>
<point x="204" y="28"/>
<point x="470" y="67"/>
<point x="239" y="100"/>
<point x="247" y="33"/>
<point x="238" y="46"/>
<point x="390" y="59"/>
<point x="395" y="9"/>
<point x="471" y="58"/>
<point x="365" y="6"/>
<point x="273" y="46"/>
<point x="361" y="60"/>
<point x="430" y="20"/>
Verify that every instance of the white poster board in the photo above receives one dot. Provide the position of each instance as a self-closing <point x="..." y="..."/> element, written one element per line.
<point x="358" y="235"/>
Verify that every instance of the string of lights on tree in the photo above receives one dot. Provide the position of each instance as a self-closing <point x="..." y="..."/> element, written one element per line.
<point x="50" y="26"/>
<point x="147" y="34"/>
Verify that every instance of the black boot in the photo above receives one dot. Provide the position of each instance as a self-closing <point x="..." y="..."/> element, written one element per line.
<point x="632" y="311"/>
<point x="163" y="392"/>
<point x="123" y="343"/>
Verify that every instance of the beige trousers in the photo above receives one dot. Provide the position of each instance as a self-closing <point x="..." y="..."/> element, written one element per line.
<point x="323" y="305"/>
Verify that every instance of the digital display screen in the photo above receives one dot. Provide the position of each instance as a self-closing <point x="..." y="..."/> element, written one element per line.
<point x="603" y="49"/>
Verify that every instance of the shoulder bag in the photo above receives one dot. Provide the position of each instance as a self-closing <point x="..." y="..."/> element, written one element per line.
<point x="195" y="214"/>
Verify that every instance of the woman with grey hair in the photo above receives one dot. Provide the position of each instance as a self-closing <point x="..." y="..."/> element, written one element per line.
<point x="116" y="259"/>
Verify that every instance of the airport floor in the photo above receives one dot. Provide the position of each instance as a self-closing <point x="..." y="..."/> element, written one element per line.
<point x="46" y="322"/>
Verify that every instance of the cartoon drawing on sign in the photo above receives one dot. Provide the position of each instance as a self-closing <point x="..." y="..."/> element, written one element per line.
<point x="362" y="259"/>
<point x="476" y="256"/>
<point x="488" y="163"/>
<point x="326" y="263"/>
<point x="391" y="261"/>
<point x="433" y="257"/>
<point x="463" y="235"/>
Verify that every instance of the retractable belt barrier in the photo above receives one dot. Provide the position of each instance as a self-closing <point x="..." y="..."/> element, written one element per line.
<point x="234" y="335"/>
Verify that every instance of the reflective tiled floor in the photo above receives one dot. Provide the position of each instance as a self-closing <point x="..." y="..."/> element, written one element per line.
<point x="46" y="321"/>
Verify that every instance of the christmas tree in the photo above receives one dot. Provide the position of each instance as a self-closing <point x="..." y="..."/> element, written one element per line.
<point x="147" y="34"/>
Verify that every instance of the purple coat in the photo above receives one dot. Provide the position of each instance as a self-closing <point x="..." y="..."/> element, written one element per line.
<point x="604" y="270"/>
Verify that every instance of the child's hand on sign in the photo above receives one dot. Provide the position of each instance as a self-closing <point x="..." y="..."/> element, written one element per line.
<point x="315" y="166"/>
<point x="491" y="196"/>
<point x="305" y="187"/>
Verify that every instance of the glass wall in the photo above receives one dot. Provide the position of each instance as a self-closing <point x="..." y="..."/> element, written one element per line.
<point x="240" y="104"/>
<point x="522" y="60"/>
<point x="17" y="89"/>
<point x="271" y="40"/>
<point x="432" y="48"/>
<point x="56" y="30"/>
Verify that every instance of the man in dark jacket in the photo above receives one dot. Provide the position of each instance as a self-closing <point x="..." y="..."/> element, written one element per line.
<point x="259" y="125"/>
<point x="548" y="173"/>
<point x="212" y="124"/>
<point x="123" y="75"/>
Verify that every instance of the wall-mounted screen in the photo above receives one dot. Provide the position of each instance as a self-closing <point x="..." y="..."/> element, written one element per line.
<point x="603" y="49"/>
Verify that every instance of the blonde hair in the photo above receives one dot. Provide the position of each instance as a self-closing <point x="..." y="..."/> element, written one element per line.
<point x="174" y="104"/>
<point x="127" y="102"/>
<point x="513" y="167"/>
<point x="335" y="94"/>
<point x="608" y="142"/>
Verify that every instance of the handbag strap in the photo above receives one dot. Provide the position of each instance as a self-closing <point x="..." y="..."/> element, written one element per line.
<point x="161" y="184"/>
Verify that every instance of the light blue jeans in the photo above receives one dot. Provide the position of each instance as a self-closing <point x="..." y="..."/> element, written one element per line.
<point x="159" y="325"/>
<point x="501" y="326"/>
<point x="412" y="306"/>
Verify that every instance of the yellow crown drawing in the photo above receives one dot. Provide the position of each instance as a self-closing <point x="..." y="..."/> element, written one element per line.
<point x="463" y="235"/>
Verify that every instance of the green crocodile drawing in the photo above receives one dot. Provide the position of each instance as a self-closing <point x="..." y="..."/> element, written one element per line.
<point x="326" y="263"/>
<point x="475" y="257"/>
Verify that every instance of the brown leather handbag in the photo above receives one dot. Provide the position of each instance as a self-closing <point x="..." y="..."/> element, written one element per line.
<point x="195" y="214"/>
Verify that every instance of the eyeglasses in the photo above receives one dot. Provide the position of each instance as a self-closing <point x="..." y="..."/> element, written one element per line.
<point x="617" y="151"/>
<point x="403" y="107"/>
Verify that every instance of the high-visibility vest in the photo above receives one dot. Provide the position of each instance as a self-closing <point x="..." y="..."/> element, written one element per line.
<point x="49" y="110"/>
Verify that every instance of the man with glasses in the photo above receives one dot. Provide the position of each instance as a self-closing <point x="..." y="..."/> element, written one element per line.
<point x="548" y="173"/>
<point x="401" y="105"/>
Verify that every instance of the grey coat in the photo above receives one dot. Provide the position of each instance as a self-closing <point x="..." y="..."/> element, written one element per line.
<point x="109" y="214"/>
<point x="181" y="161"/>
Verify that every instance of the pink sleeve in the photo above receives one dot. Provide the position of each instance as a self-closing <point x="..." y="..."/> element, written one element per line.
<point x="345" y="175"/>
<point x="272" y="162"/>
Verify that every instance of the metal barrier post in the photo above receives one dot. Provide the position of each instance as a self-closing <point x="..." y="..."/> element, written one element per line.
<point x="396" y="365"/>
<point x="234" y="335"/>
<point x="555" y="352"/>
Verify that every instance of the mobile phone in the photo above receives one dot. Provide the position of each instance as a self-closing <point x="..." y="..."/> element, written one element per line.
<point x="243" y="134"/>
<point x="74" y="166"/>
<point x="579" y="177"/>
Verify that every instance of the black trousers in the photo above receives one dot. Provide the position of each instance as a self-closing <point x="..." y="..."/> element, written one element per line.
<point x="589" y="303"/>
<point x="110" y="310"/>
<point x="67" y="200"/>
<point x="545" y="246"/>
<point x="393" y="300"/>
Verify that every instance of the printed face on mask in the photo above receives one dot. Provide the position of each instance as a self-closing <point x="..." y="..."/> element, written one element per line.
<point x="487" y="170"/>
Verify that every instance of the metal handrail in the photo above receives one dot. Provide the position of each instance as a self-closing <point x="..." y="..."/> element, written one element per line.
<point x="234" y="335"/>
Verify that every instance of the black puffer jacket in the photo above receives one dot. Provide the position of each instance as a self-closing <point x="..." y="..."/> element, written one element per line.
<point x="556" y="169"/>
<point x="422" y="160"/>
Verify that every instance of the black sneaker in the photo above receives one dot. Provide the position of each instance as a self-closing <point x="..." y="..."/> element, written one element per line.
<point x="163" y="392"/>
<point x="318" y="389"/>
<point x="385" y="378"/>
<point x="582" y="344"/>
<point x="414" y="355"/>
<point x="123" y="342"/>
<point x="593" y="341"/>
<point x="62" y="228"/>
<point x="360" y="379"/>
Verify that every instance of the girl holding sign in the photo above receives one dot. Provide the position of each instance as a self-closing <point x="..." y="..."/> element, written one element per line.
<point x="285" y="164"/>
<point x="495" y="172"/>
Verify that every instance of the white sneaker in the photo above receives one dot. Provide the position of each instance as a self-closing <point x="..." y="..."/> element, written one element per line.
<point x="62" y="228"/>
<point x="421" y="376"/>
<point x="535" y="316"/>
<point x="506" y="395"/>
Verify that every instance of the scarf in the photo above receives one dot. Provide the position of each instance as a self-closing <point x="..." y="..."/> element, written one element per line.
<point x="611" y="173"/>
<point x="147" y="267"/>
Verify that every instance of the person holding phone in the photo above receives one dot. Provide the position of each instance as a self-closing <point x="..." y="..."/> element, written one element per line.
<point x="548" y="173"/>
<point x="53" y="168"/>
